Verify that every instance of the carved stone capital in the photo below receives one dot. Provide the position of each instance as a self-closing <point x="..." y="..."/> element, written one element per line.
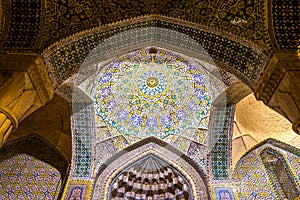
<point x="10" y="116"/>
<point x="41" y="80"/>
<point x="24" y="87"/>
<point x="35" y="67"/>
<point x="279" y="87"/>
<point x="279" y="64"/>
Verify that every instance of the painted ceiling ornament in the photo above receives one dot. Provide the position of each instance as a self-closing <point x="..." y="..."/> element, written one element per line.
<point x="154" y="92"/>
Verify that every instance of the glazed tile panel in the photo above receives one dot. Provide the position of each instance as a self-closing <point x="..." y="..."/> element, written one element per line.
<point x="251" y="179"/>
<point x="25" y="177"/>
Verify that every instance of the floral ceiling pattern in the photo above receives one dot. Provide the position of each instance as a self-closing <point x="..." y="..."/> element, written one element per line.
<point x="154" y="92"/>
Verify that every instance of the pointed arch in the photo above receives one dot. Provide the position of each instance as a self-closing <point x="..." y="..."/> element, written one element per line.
<point x="32" y="161"/>
<point x="247" y="64"/>
<point x="266" y="163"/>
<point x="279" y="174"/>
<point x="150" y="177"/>
<point x="196" y="178"/>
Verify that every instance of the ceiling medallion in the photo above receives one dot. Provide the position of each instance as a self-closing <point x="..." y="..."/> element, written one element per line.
<point x="155" y="93"/>
<point x="152" y="82"/>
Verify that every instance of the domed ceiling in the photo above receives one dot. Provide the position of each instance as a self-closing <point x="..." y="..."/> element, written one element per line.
<point x="154" y="92"/>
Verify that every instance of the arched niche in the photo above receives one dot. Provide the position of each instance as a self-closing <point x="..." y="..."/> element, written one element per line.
<point x="279" y="174"/>
<point x="151" y="147"/>
<point x="31" y="168"/>
<point x="256" y="173"/>
<point x="150" y="177"/>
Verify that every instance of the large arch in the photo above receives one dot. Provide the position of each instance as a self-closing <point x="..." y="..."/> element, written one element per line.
<point x="95" y="68"/>
<point x="147" y="36"/>
<point x="97" y="151"/>
<point x="64" y="58"/>
<point x="151" y="146"/>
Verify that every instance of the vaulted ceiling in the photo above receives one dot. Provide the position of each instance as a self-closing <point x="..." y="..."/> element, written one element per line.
<point x="240" y="35"/>
<point x="252" y="45"/>
<point x="31" y="26"/>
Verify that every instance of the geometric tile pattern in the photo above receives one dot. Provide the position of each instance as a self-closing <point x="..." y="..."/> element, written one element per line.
<point x="114" y="143"/>
<point x="67" y="17"/>
<point x="25" y="177"/>
<point x="198" y="153"/>
<point x="55" y="20"/>
<point x="246" y="63"/>
<point x="106" y="149"/>
<point x="220" y="141"/>
<point x="251" y="179"/>
<point x="241" y="17"/>
<point x="37" y="147"/>
<point x="174" y="107"/>
<point x="154" y="92"/>
<point x="82" y="141"/>
<point x="273" y="173"/>
<point x="286" y="26"/>
<point x="218" y="13"/>
<point x="25" y="18"/>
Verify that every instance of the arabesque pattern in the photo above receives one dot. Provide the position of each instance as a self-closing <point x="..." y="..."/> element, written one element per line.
<point x="25" y="177"/>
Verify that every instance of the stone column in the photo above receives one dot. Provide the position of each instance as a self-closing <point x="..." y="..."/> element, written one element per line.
<point x="279" y="86"/>
<point x="24" y="87"/>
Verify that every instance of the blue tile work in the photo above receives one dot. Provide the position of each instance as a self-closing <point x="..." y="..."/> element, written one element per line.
<point x="257" y="173"/>
<point x="294" y="162"/>
<point x="251" y="179"/>
<point x="246" y="62"/>
<point x="83" y="144"/>
<point x="220" y="141"/>
<point x="198" y="153"/>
